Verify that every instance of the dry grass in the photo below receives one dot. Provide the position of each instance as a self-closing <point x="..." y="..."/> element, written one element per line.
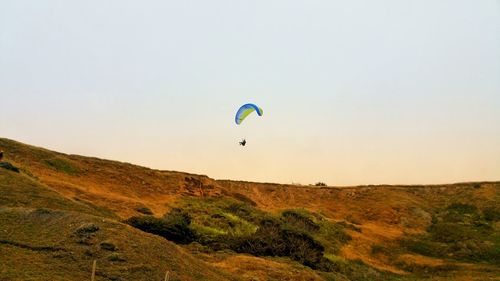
<point x="249" y="267"/>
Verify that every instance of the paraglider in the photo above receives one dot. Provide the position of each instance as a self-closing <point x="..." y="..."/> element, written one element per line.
<point x="246" y="110"/>
<point x="243" y="112"/>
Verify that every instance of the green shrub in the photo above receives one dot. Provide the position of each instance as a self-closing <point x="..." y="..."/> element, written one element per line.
<point x="174" y="226"/>
<point x="300" y="220"/>
<point x="425" y="247"/>
<point x="273" y="239"/>
<point x="460" y="232"/>
<point x="452" y="232"/>
<point x="462" y="208"/>
<point x="213" y="217"/>
<point x="242" y="210"/>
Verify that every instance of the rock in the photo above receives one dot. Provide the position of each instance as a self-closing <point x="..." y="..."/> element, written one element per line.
<point x="9" y="166"/>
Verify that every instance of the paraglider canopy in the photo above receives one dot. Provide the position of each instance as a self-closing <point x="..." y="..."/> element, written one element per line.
<point x="246" y="110"/>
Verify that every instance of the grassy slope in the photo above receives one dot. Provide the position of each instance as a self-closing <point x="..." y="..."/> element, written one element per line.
<point x="21" y="190"/>
<point x="40" y="244"/>
<point x="385" y="214"/>
<point x="39" y="240"/>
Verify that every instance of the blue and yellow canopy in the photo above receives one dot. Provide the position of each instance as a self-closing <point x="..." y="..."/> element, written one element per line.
<point x="246" y="110"/>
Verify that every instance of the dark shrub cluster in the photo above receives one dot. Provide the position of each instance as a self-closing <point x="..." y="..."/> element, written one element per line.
<point x="462" y="208"/>
<point x="226" y="224"/>
<point x="273" y="238"/>
<point x="173" y="226"/>
<point x="242" y="210"/>
<point x="299" y="220"/>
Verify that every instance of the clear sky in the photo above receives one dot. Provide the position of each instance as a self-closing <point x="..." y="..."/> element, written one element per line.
<point x="353" y="92"/>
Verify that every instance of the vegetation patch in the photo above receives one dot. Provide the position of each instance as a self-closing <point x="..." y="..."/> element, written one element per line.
<point x="173" y="226"/>
<point x="223" y="223"/>
<point x="354" y="270"/>
<point x="275" y="239"/>
<point x="62" y="165"/>
<point x="300" y="219"/>
<point x="460" y="232"/>
<point x="212" y="217"/>
<point x="427" y="270"/>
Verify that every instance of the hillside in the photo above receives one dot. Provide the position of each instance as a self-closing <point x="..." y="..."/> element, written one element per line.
<point x="441" y="232"/>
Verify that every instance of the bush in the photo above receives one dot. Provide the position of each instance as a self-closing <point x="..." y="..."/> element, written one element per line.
<point x="462" y="208"/>
<point x="174" y="226"/>
<point x="299" y="220"/>
<point x="273" y="239"/>
<point x="320" y="184"/>
<point x="426" y="248"/>
<point x="241" y="210"/>
<point x="452" y="232"/>
<point x="462" y="232"/>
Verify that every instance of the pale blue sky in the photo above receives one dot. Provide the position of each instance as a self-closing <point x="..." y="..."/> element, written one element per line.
<point x="353" y="92"/>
